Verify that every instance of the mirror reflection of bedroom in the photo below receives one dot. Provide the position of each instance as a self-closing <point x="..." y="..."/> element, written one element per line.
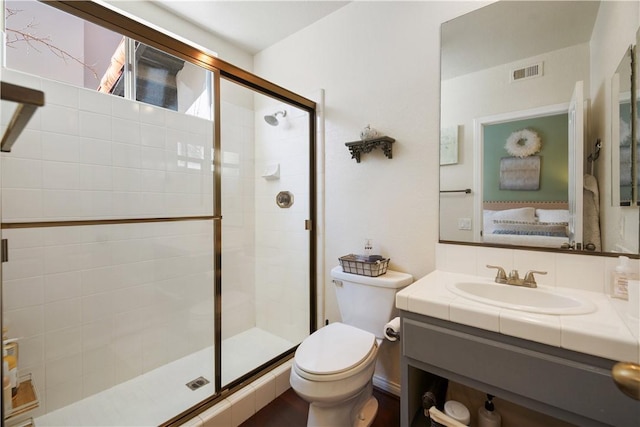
<point x="525" y="182"/>
<point x="523" y="124"/>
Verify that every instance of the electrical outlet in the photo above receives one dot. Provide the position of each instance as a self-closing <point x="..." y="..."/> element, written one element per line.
<point x="464" y="223"/>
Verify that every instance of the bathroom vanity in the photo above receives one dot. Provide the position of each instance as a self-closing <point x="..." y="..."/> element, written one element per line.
<point x="554" y="364"/>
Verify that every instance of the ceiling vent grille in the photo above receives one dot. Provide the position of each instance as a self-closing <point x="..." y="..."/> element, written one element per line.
<point x="528" y="72"/>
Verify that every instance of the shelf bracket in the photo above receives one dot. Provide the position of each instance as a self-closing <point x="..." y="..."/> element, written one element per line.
<point x="356" y="148"/>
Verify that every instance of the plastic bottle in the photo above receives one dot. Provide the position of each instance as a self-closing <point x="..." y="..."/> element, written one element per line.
<point x="620" y="278"/>
<point x="487" y="415"/>
<point x="12" y="369"/>
<point x="6" y="390"/>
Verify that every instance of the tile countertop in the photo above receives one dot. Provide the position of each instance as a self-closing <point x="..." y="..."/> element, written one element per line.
<point x="607" y="332"/>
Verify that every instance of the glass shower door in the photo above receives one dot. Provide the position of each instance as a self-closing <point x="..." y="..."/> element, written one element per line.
<point x="107" y="207"/>
<point x="266" y="248"/>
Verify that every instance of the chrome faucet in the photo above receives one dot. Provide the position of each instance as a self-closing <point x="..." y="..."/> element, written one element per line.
<point x="514" y="279"/>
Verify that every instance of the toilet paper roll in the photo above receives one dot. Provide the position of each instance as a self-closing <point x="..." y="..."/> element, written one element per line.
<point x="392" y="329"/>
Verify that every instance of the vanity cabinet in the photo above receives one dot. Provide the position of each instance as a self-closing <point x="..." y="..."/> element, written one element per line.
<point x="568" y="385"/>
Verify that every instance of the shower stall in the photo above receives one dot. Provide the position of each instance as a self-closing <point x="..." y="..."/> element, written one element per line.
<point x="157" y="228"/>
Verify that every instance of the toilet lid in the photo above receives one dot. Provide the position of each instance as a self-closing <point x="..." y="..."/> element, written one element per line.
<point x="335" y="348"/>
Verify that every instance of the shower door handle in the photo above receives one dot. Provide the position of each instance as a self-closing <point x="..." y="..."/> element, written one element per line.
<point x="4" y="250"/>
<point x="28" y="101"/>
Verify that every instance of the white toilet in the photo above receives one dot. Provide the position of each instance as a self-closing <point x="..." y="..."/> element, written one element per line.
<point x="333" y="367"/>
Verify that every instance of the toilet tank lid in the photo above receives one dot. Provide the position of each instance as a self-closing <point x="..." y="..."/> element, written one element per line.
<point x="391" y="279"/>
<point x="334" y="348"/>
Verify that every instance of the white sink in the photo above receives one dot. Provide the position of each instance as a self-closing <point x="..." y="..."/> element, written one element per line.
<point x="533" y="300"/>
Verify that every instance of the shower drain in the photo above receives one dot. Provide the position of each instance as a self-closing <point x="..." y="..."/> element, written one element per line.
<point x="197" y="383"/>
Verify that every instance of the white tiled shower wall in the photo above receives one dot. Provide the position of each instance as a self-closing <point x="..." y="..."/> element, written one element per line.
<point x="97" y="305"/>
<point x="238" y="211"/>
<point x="282" y="267"/>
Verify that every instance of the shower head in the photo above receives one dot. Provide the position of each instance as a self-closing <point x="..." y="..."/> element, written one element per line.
<point x="272" y="119"/>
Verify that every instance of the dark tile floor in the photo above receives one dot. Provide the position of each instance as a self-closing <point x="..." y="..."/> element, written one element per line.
<point x="289" y="410"/>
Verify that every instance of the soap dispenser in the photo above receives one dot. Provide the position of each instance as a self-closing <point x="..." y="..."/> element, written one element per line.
<point x="487" y="415"/>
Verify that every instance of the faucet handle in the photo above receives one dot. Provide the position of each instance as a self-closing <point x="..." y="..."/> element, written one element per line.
<point x="501" y="276"/>
<point x="529" y="279"/>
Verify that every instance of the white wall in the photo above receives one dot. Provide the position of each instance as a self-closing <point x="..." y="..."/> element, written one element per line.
<point x="378" y="63"/>
<point x="614" y="32"/>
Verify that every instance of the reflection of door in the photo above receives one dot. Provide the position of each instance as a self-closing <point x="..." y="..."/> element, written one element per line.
<point x="576" y="149"/>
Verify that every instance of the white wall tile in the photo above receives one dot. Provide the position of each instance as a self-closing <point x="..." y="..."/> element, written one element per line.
<point x="63" y="343"/>
<point x="60" y="94"/>
<point x="21" y="173"/>
<point x="60" y="175"/>
<point x="126" y="155"/>
<point x="59" y="119"/>
<point x="243" y="405"/>
<point x="21" y="204"/>
<point x="62" y="314"/>
<point x="153" y="180"/>
<point x="152" y="136"/>
<point x="94" y="102"/>
<point x="265" y="390"/>
<point x="96" y="126"/>
<point x="94" y="177"/>
<point x="282" y="374"/>
<point x="25" y="322"/>
<point x="27" y="262"/>
<point x="217" y="416"/>
<point x="30" y="144"/>
<point x="31" y="353"/>
<point x="59" y="147"/>
<point x="127" y="179"/>
<point x="126" y="109"/>
<point x="64" y="394"/>
<point x="152" y="115"/>
<point x="60" y="203"/>
<point x="62" y="286"/>
<point x="22" y="293"/>
<point x="95" y="151"/>
<point x="126" y="131"/>
<point x="580" y="271"/>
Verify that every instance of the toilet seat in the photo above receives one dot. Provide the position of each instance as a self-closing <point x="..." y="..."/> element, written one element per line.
<point x="335" y="352"/>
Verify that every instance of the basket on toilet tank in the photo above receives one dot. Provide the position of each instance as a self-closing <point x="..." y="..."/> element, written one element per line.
<point x="364" y="265"/>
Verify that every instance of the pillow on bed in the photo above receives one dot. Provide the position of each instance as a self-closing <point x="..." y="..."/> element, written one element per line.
<point x="553" y="215"/>
<point x="532" y="228"/>
<point x="518" y="214"/>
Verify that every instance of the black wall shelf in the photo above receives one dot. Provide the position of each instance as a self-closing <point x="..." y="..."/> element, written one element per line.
<point x="356" y="148"/>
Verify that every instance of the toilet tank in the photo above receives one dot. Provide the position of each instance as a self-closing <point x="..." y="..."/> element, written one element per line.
<point x="368" y="303"/>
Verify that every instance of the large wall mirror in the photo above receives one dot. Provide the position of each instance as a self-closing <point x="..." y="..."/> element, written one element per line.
<point x="526" y="139"/>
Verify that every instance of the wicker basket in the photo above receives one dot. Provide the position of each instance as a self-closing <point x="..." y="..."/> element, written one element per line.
<point x="371" y="266"/>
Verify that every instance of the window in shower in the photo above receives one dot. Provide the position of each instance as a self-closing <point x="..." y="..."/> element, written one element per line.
<point x="49" y="43"/>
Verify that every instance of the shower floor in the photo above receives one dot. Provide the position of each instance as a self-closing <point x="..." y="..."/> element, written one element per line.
<point x="158" y="395"/>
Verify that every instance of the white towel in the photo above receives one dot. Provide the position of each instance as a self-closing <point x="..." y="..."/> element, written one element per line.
<point x="591" y="212"/>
